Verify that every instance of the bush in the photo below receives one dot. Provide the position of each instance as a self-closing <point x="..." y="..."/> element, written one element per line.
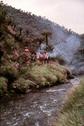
<point x="24" y="71"/>
<point x="61" y="60"/>
<point x="60" y="72"/>
<point x="3" y="86"/>
<point x="9" y="43"/>
<point x="9" y="71"/>
<point x="21" y="85"/>
<point x="47" y="75"/>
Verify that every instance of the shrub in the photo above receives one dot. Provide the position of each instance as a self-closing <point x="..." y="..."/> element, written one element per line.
<point x="61" y="60"/>
<point x="21" y="85"/>
<point x="9" y="43"/>
<point x="3" y="86"/>
<point x="24" y="71"/>
<point x="9" y="71"/>
<point x="45" y="75"/>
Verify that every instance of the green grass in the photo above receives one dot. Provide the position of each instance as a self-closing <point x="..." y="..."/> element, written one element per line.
<point x="34" y="76"/>
<point x="47" y="75"/>
<point x="38" y="76"/>
<point x="21" y="85"/>
<point x="73" y="111"/>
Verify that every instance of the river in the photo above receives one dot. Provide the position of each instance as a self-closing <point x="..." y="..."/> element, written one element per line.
<point x="37" y="108"/>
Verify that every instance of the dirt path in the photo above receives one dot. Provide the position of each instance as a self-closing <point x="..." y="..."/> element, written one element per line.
<point x="37" y="108"/>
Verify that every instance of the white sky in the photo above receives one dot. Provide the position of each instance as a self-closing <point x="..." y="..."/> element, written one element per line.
<point x="69" y="13"/>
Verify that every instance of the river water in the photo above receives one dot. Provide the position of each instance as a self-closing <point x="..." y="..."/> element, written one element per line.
<point x="37" y="108"/>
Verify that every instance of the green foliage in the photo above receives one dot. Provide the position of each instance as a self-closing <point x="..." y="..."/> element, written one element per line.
<point x="3" y="85"/>
<point x="9" y="70"/>
<point x="46" y="75"/>
<point x="38" y="76"/>
<point x="21" y="85"/>
<point x="61" y="60"/>
<point x="24" y="71"/>
<point x="9" y="43"/>
<point x="2" y="14"/>
<point x="73" y="111"/>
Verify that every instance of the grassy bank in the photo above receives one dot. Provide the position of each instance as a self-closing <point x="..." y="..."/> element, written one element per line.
<point x="73" y="111"/>
<point x="36" y="76"/>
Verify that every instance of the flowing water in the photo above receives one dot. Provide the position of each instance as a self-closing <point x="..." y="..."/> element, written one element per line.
<point x="37" y="108"/>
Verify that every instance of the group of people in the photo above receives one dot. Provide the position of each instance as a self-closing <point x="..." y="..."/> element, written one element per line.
<point x="27" y="56"/>
<point x="42" y="57"/>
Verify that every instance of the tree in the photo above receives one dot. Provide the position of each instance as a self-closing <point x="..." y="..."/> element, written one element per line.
<point x="20" y="31"/>
<point x="27" y="32"/>
<point x="2" y="13"/>
<point x="46" y="34"/>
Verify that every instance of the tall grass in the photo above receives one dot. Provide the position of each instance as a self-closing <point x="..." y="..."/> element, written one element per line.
<point x="73" y="111"/>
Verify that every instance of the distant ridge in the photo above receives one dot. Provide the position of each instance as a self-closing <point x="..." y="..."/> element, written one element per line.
<point x="35" y="25"/>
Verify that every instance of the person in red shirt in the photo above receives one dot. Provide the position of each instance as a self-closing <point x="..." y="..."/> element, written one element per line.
<point x="46" y="57"/>
<point x="42" y="57"/>
<point x="27" y="55"/>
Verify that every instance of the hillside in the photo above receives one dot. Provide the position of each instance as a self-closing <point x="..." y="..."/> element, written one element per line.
<point x="78" y="61"/>
<point x="20" y="70"/>
<point x="32" y="23"/>
<point x="62" y="39"/>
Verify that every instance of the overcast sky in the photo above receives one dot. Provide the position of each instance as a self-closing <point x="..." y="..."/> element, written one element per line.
<point x="69" y="13"/>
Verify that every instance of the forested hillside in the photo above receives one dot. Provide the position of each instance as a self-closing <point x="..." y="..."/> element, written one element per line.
<point x="19" y="67"/>
<point x="33" y="26"/>
<point x="36" y="24"/>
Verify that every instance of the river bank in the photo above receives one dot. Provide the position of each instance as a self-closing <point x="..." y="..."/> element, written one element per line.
<point x="72" y="113"/>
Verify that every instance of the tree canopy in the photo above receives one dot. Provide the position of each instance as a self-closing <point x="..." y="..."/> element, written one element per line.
<point x="2" y="13"/>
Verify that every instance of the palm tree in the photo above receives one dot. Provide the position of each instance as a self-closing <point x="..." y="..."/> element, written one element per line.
<point x="46" y="34"/>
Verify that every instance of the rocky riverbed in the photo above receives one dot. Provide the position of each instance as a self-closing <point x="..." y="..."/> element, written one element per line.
<point x="37" y="108"/>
